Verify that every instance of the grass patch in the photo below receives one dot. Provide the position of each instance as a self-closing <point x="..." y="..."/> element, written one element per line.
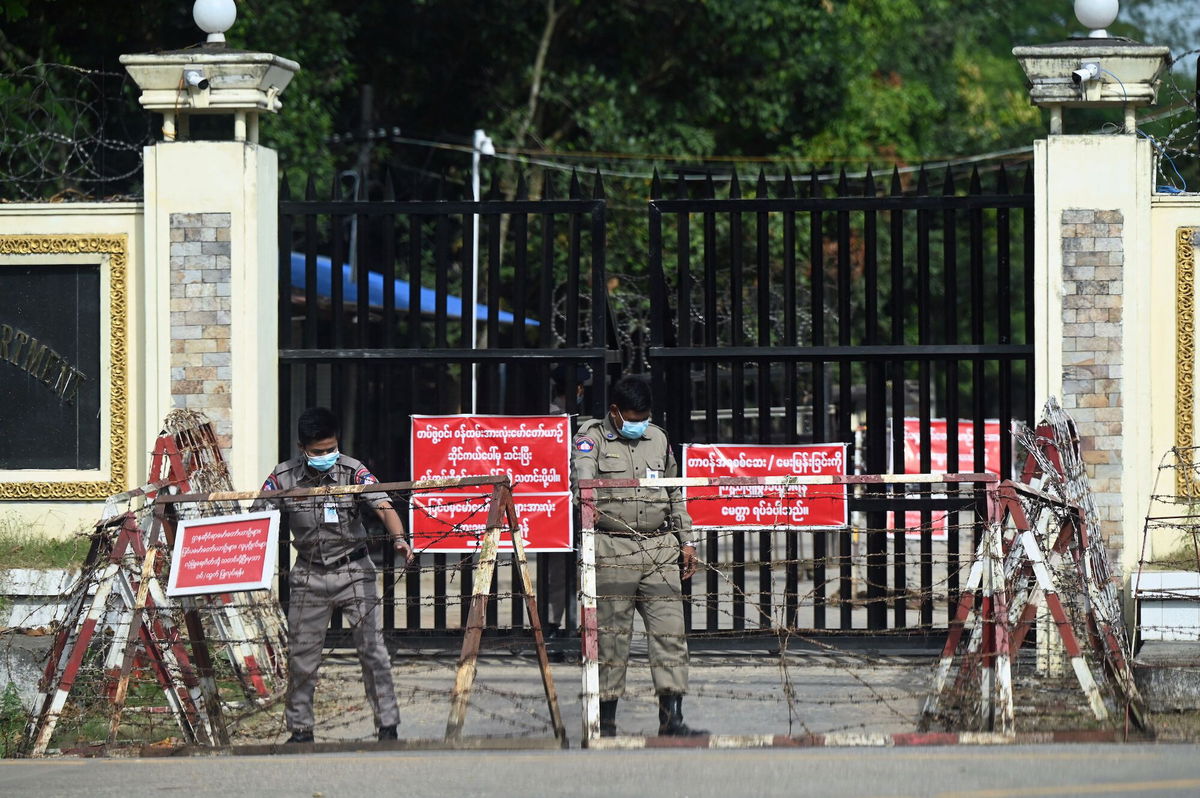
<point x="1182" y="558"/>
<point x="12" y="721"/>
<point x="22" y="549"/>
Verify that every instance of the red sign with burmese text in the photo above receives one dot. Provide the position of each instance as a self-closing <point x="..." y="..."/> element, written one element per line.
<point x="939" y="459"/>
<point x="778" y="506"/>
<point x="939" y="456"/>
<point x="224" y="554"/>
<point x="532" y="451"/>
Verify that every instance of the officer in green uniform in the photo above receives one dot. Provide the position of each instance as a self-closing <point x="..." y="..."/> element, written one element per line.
<point x="640" y="535"/>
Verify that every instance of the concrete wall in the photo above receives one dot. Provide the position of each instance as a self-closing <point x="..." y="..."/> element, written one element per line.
<point x="1116" y="281"/>
<point x="1171" y="271"/>
<point x="1095" y="289"/>
<point x="197" y="312"/>
<point x="59" y="503"/>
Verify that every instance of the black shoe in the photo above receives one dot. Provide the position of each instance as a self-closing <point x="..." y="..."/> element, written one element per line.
<point x="387" y="732"/>
<point x="301" y="736"/>
<point x="608" y="718"/>
<point x="670" y="718"/>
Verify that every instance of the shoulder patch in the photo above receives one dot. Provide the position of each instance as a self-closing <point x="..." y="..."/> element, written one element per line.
<point x="364" y="477"/>
<point x="584" y="445"/>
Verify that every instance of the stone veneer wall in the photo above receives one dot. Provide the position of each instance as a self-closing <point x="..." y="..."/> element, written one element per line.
<point x="201" y="368"/>
<point x="1093" y="264"/>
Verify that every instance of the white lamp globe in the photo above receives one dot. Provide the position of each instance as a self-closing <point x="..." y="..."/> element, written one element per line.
<point x="214" y="17"/>
<point x="1096" y="15"/>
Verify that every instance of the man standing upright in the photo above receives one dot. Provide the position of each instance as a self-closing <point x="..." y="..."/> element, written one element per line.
<point x="640" y="535"/>
<point x="332" y="570"/>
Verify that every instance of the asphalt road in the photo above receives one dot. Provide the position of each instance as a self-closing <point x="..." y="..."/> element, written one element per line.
<point x="949" y="772"/>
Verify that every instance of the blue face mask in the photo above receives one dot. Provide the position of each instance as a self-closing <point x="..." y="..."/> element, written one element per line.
<point x="323" y="462"/>
<point x="632" y="429"/>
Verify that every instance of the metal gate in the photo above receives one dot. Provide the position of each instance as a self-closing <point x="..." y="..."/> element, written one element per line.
<point x="810" y="313"/>
<point x="829" y="311"/>
<point x="376" y="323"/>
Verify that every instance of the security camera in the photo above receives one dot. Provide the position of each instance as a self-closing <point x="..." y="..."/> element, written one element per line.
<point x="1086" y="73"/>
<point x="194" y="78"/>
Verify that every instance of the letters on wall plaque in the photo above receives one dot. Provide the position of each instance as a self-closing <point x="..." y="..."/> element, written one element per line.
<point x="50" y="367"/>
<point x="63" y="366"/>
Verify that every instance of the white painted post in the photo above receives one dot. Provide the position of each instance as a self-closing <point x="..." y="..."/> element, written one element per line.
<point x="589" y="632"/>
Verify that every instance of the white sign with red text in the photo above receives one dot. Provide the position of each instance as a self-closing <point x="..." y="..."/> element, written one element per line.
<point x="532" y="451"/>
<point x="776" y="506"/>
<point x="224" y="554"/>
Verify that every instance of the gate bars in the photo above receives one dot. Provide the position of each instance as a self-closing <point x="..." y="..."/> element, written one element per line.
<point x="1030" y="538"/>
<point x="589" y="488"/>
<point x="805" y="317"/>
<point x="376" y="362"/>
<point x="502" y="517"/>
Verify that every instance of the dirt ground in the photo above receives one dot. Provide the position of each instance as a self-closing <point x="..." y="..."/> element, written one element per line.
<point x="730" y="694"/>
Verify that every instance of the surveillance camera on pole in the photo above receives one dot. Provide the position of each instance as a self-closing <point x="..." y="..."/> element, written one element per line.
<point x="1086" y="73"/>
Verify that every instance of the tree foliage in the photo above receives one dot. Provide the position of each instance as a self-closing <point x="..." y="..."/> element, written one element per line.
<point x="810" y="81"/>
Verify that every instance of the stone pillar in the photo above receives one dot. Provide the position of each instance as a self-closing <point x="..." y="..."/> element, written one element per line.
<point x="211" y="283"/>
<point x="1093" y="258"/>
<point x="1092" y="200"/>
<point x="212" y="288"/>
<point x="201" y="361"/>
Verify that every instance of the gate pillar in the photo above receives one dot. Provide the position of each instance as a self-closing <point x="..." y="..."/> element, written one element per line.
<point x="1094" y="296"/>
<point x="210" y="289"/>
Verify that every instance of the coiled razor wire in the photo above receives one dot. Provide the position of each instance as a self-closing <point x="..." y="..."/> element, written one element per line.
<point x="68" y="133"/>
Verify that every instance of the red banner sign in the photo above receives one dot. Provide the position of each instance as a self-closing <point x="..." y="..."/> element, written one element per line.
<point x="532" y="451"/>
<point x="457" y="523"/>
<point x="224" y="554"/>
<point x="786" y="507"/>
<point x="938" y="454"/>
<point x="939" y="459"/>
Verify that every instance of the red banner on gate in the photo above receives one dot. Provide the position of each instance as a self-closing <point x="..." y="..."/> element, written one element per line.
<point x="786" y="507"/>
<point x="532" y="451"/>
<point x="457" y="523"/>
<point x="224" y="554"/>
<point x="938" y="449"/>
<point x="939" y="460"/>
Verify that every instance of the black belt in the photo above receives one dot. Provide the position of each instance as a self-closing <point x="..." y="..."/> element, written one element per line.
<point x="632" y="533"/>
<point x="354" y="556"/>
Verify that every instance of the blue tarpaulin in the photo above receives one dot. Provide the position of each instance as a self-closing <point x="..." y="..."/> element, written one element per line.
<point x="375" y="282"/>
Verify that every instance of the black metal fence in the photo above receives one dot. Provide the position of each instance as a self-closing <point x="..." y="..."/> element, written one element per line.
<point x="396" y="336"/>
<point x="832" y="313"/>
<point x="822" y="311"/>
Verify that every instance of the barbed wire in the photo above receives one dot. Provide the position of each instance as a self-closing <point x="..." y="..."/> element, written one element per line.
<point x="141" y="684"/>
<point x="68" y="133"/>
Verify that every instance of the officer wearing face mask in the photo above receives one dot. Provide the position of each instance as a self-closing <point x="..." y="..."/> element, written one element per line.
<point x="332" y="570"/>
<point x="641" y="534"/>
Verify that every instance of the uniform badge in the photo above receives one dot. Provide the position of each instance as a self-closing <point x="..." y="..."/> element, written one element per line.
<point x="584" y="444"/>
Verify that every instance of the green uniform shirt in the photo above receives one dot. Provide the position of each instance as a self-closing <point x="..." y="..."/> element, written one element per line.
<point x="599" y="452"/>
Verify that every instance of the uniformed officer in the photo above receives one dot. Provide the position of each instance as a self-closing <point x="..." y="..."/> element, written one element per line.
<point x="332" y="569"/>
<point x="640" y="535"/>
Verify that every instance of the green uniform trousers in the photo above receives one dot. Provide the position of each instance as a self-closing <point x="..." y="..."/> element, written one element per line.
<point x="641" y="572"/>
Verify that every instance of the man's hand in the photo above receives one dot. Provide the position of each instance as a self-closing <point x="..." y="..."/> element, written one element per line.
<point x="689" y="562"/>
<point x="402" y="546"/>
